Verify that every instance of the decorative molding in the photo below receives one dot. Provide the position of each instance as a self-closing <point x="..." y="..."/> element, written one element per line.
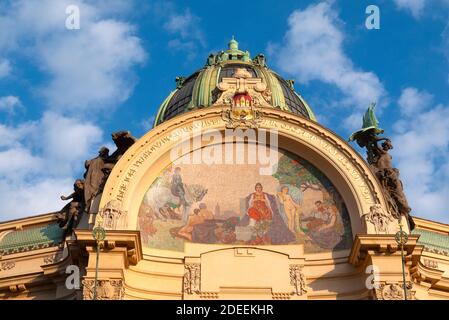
<point x="192" y="278"/>
<point x="437" y="251"/>
<point x="53" y="258"/>
<point x="297" y="280"/>
<point x="208" y="295"/>
<point x="17" y="288"/>
<point x="281" y="295"/>
<point x="243" y="252"/>
<point x="394" y="291"/>
<point x="110" y="289"/>
<point x="7" y="265"/>
<point x="379" y="219"/>
<point x="26" y="248"/>
<point x="430" y="263"/>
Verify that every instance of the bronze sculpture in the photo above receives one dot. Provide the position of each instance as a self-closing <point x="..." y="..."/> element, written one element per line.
<point x="123" y="141"/>
<point x="69" y="216"/>
<point x="380" y="162"/>
<point x="96" y="175"/>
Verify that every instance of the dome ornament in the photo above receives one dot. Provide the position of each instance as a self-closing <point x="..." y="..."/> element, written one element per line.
<point x="241" y="95"/>
<point x="232" y="54"/>
<point x="260" y="60"/>
<point x="291" y="84"/>
<point x="233" y="45"/>
<point x="242" y="82"/>
<point x="179" y="82"/>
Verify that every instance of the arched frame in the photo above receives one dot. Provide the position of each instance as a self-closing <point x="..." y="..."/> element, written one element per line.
<point x="142" y="163"/>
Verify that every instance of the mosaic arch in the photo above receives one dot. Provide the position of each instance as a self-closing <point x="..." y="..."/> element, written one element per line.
<point x="235" y="204"/>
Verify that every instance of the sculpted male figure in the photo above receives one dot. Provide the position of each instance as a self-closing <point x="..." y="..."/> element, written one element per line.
<point x="99" y="168"/>
<point x="94" y="176"/>
<point x="69" y="216"/>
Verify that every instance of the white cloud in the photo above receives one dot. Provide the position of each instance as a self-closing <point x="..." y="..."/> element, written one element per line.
<point x="90" y="66"/>
<point x="67" y="141"/>
<point x="86" y="71"/>
<point x="5" y="68"/>
<point x="184" y="26"/>
<point x="96" y="75"/>
<point x="417" y="8"/>
<point x="61" y="142"/>
<point x="28" y="199"/>
<point x="16" y="161"/>
<point x="413" y="101"/>
<point x="421" y="153"/>
<point x="10" y="103"/>
<point x="414" y="7"/>
<point x="147" y="124"/>
<point x="42" y="154"/>
<point x="313" y="50"/>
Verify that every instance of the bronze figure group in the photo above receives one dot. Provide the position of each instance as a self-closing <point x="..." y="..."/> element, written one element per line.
<point x="95" y="177"/>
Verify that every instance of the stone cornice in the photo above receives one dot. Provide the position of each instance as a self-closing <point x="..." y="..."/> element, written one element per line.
<point x="19" y="224"/>
<point x="129" y="240"/>
<point x="432" y="226"/>
<point x="364" y="244"/>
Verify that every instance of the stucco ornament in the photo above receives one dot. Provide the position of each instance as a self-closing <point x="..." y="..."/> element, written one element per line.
<point x="297" y="280"/>
<point x="53" y="258"/>
<point x="8" y="265"/>
<point x="393" y="291"/>
<point x="111" y="216"/>
<point x="192" y="278"/>
<point x="111" y="289"/>
<point x="379" y="219"/>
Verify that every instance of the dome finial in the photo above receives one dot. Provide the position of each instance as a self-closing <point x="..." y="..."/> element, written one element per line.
<point x="233" y="44"/>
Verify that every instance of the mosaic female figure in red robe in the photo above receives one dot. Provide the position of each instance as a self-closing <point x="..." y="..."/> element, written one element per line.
<point x="259" y="206"/>
<point x="262" y="207"/>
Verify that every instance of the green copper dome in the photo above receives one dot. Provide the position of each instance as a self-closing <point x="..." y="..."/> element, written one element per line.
<point x="199" y="90"/>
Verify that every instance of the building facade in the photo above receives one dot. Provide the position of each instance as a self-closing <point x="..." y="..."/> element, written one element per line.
<point x="236" y="193"/>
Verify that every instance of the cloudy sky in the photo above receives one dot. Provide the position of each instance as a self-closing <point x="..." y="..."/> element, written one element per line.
<point x="62" y="92"/>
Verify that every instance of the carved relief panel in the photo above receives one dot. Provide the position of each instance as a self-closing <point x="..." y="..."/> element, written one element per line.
<point x="107" y="289"/>
<point x="394" y="291"/>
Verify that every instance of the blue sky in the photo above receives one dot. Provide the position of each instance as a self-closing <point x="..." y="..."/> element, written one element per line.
<point x="62" y="92"/>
